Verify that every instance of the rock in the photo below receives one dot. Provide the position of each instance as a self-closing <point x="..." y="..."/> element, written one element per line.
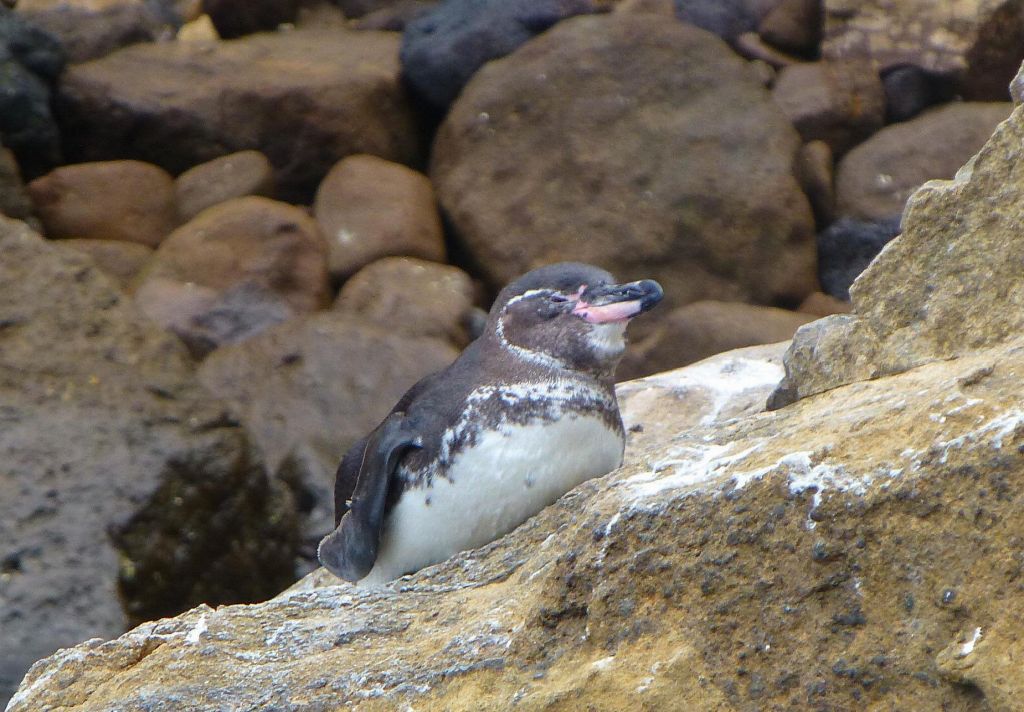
<point x="702" y="329"/>
<point x="846" y="248"/>
<point x="127" y="493"/>
<point x="814" y="170"/>
<point x="396" y="16"/>
<point x="527" y="176"/>
<point x="793" y="26"/>
<point x="30" y="61"/>
<point x="360" y="8"/>
<point x="446" y="46"/>
<point x="370" y="208"/>
<point x="200" y="30"/>
<point x="909" y="90"/>
<point x="305" y="98"/>
<point x="234" y="18"/>
<point x="88" y="29"/>
<point x="840" y="103"/>
<point x="726" y="18"/>
<point x="736" y="562"/>
<point x="308" y="389"/>
<point x="950" y="284"/>
<point x="751" y="46"/>
<point x="820" y="304"/>
<point x="232" y="176"/>
<point x="411" y="296"/>
<point x="90" y="200"/>
<point x="235" y="269"/>
<point x="975" y="43"/>
<point x="118" y="259"/>
<point x="14" y="199"/>
<point x="874" y="180"/>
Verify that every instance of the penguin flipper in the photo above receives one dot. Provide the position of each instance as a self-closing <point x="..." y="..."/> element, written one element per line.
<point x="350" y="551"/>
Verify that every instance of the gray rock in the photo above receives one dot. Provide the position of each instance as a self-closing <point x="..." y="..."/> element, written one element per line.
<point x="846" y="248"/>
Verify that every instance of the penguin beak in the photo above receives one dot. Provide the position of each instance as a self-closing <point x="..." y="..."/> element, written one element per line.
<point x="617" y="303"/>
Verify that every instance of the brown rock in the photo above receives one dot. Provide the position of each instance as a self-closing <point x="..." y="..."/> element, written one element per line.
<point x="14" y="199"/>
<point x="411" y="296"/>
<point x="224" y="178"/>
<point x="840" y="103"/>
<point x="121" y="260"/>
<point x="819" y="304"/>
<point x="751" y="46"/>
<point x="88" y="29"/>
<point x="794" y="26"/>
<point x="305" y="98"/>
<point x="976" y="43"/>
<point x="127" y="493"/>
<point x="874" y="180"/>
<point x="634" y="176"/>
<point x="916" y="303"/>
<point x="236" y="268"/>
<point x="814" y="170"/>
<point x="702" y="329"/>
<point x="819" y="557"/>
<point x="109" y="200"/>
<point x="370" y="208"/>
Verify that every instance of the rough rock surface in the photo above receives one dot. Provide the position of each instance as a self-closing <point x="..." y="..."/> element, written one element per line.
<point x="106" y="200"/>
<point x="874" y="180"/>
<point x="127" y="492"/>
<point x="118" y="259"/>
<point x="232" y="176"/>
<point x="949" y="284"/>
<point x="701" y="329"/>
<point x="575" y="148"/>
<point x="306" y="98"/>
<point x="977" y="43"/>
<point x="859" y="550"/>
<point x="235" y="269"/>
<point x="445" y="46"/>
<point x="370" y="208"/>
<point x="411" y="296"/>
<point x="309" y="388"/>
<point x="88" y="29"/>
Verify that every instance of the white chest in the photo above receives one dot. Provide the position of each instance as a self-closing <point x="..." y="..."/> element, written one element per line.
<point x="507" y="477"/>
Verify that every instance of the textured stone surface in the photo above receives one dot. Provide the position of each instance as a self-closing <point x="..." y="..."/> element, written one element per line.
<point x="821" y="557"/>
<point x="874" y="180"/>
<point x="117" y="258"/>
<point x="234" y="270"/>
<point x="106" y="200"/>
<point x="232" y="176"/>
<point x="370" y="208"/>
<point x="702" y="329"/>
<point x="412" y="296"/>
<point x="949" y="284"/>
<point x="978" y="44"/>
<point x="127" y="492"/>
<point x="305" y="98"/>
<point x="619" y="140"/>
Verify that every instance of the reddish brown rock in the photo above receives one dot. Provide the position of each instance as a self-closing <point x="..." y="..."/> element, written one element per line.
<point x="305" y="98"/>
<point x="793" y="25"/>
<point x="235" y="269"/>
<point x="644" y="146"/>
<point x="108" y="200"/>
<point x="121" y="260"/>
<point x="411" y="296"/>
<point x="370" y="208"/>
<point x="816" y="172"/>
<point x="696" y="331"/>
<point x="224" y="178"/>
<point x="874" y="180"/>
<point x="840" y="103"/>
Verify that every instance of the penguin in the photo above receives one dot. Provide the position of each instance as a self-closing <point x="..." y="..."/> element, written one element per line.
<point x="525" y="413"/>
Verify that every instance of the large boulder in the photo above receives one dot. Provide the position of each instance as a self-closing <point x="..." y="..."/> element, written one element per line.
<point x="860" y="550"/>
<point x="977" y="44"/>
<point x="950" y="284"/>
<point x="643" y="146"/>
<point x="874" y="180"/>
<point x="127" y="491"/>
<point x="305" y="98"/>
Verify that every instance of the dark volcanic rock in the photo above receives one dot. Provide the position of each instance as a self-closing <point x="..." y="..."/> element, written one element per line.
<point x="794" y="26"/>
<point x="30" y="60"/>
<point x="644" y="146"/>
<point x="234" y="18"/>
<point x="726" y="18"/>
<point x="14" y="199"/>
<point x="127" y="493"/>
<point x="305" y="98"/>
<point x="444" y="47"/>
<point x="847" y="247"/>
<point x="909" y="90"/>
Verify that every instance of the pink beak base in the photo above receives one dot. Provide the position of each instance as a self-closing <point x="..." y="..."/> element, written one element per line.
<point x="608" y="313"/>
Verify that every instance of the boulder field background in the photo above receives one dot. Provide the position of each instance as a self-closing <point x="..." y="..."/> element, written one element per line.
<point x="236" y="232"/>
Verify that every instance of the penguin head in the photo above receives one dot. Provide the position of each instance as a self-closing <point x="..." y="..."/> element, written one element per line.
<point x="570" y="315"/>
